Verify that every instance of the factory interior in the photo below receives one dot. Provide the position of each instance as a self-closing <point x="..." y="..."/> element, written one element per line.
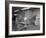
<point x="25" y="18"/>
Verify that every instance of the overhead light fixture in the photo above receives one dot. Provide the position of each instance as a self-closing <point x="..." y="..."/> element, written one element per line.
<point x="16" y="10"/>
<point x="25" y="8"/>
<point x="15" y="14"/>
<point x="25" y="18"/>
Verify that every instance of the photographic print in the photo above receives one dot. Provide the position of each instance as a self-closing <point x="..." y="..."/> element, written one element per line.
<point x="25" y="19"/>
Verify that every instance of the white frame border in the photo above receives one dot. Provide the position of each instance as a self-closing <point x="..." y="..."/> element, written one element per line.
<point x="25" y="32"/>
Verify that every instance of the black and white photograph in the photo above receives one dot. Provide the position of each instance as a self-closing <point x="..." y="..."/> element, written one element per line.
<point x="25" y="19"/>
